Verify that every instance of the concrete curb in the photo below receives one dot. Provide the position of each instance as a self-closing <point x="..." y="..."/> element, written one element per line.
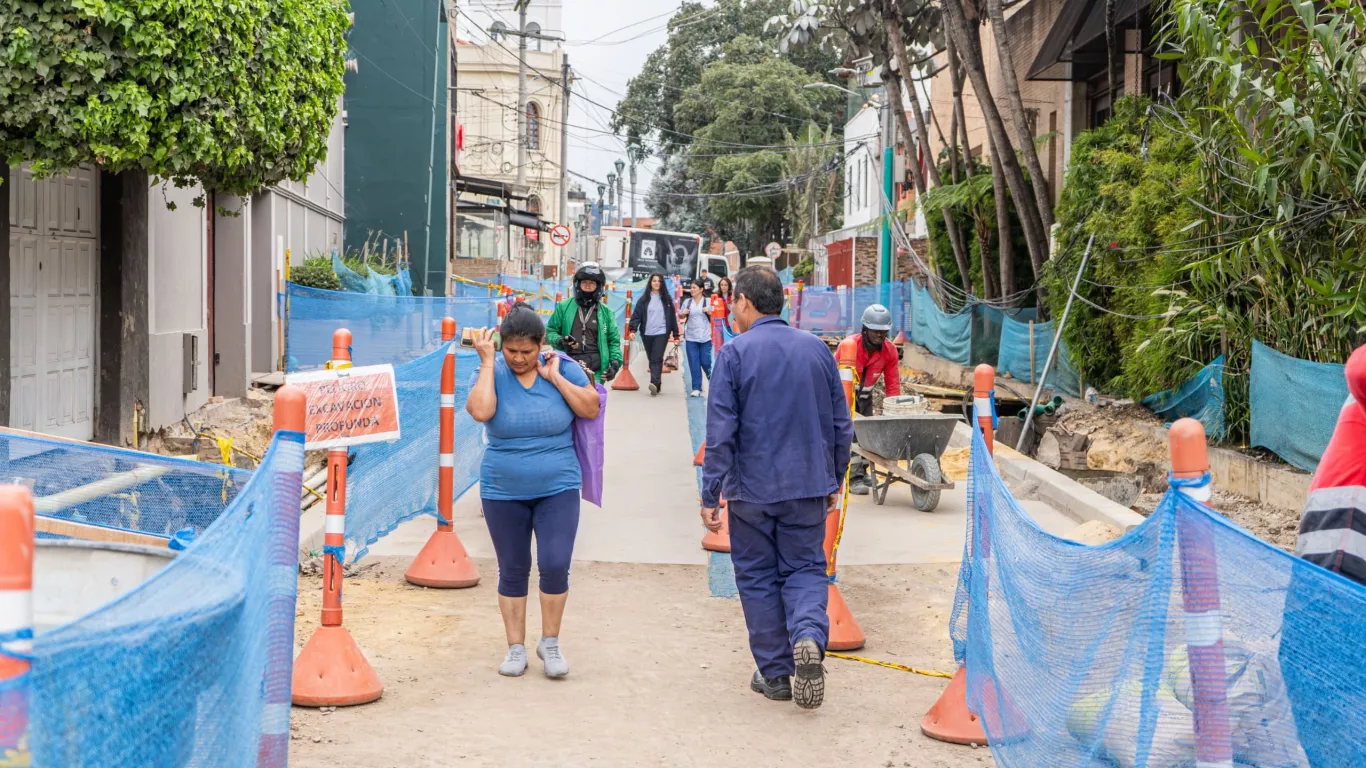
<point x="1234" y="472"/>
<point x="1059" y="491"/>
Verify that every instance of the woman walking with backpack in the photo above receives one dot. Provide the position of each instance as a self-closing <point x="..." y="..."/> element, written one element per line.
<point x="656" y="320"/>
<point x="696" y="316"/>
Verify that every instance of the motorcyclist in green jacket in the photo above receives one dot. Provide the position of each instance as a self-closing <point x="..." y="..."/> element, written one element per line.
<point x="585" y="328"/>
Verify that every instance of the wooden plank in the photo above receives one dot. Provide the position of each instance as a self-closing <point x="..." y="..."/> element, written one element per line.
<point x="88" y="532"/>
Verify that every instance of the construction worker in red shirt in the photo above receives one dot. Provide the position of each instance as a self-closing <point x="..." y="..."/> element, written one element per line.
<point x="877" y="359"/>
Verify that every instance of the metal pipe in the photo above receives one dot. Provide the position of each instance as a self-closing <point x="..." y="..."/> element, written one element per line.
<point x="1057" y="336"/>
<point x="46" y="505"/>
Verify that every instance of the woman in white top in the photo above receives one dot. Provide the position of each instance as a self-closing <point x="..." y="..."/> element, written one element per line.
<point x="655" y="319"/>
<point x="696" y="316"/>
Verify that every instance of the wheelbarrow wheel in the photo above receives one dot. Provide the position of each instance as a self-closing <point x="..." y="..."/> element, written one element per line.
<point x="926" y="467"/>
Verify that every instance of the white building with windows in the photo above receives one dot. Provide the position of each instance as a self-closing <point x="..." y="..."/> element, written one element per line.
<point x="486" y="106"/>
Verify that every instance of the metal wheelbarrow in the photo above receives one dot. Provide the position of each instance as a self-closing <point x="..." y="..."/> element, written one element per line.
<point x="888" y="441"/>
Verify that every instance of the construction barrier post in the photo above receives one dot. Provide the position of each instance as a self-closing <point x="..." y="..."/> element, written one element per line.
<point x="845" y="633"/>
<point x="719" y="541"/>
<point x="950" y="719"/>
<point x="16" y="620"/>
<point x="331" y="671"/>
<point x="443" y="562"/>
<point x="801" y="299"/>
<point x="283" y="560"/>
<point x="1200" y="595"/>
<point x="626" y="381"/>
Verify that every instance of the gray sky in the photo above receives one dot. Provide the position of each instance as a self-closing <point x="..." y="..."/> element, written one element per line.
<point x="603" y="71"/>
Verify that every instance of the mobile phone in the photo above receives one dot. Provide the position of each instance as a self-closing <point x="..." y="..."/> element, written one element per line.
<point x="468" y="336"/>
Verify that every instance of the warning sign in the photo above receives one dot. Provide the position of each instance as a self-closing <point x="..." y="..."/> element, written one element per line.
<point x="349" y="406"/>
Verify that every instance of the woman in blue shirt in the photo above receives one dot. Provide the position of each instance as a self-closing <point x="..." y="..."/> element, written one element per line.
<point x="530" y="479"/>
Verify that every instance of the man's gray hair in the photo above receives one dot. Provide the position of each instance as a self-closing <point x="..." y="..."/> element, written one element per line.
<point x="763" y="288"/>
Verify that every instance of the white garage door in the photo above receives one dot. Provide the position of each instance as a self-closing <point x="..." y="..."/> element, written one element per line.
<point x="53" y="265"/>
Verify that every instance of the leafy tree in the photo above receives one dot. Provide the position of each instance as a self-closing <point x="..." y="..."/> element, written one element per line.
<point x="739" y="155"/>
<point x="698" y="36"/>
<point x="815" y="161"/>
<point x="231" y="96"/>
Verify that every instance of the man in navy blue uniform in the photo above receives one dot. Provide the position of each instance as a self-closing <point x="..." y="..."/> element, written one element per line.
<point x="778" y="436"/>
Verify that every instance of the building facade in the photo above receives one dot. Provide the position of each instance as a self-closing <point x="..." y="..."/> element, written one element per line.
<point x="494" y="137"/>
<point x="398" y="135"/>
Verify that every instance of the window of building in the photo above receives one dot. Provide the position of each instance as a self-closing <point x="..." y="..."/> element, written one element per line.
<point x="533" y="29"/>
<point x="533" y="205"/>
<point x="533" y="125"/>
<point x="499" y="31"/>
<point x="1099" y="101"/>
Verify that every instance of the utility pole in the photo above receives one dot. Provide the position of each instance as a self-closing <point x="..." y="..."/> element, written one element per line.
<point x="566" y="82"/>
<point x="634" y="221"/>
<point x="888" y="204"/>
<point x="521" y="91"/>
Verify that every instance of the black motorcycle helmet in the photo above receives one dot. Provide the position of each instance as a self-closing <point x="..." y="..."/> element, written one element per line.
<point x="589" y="271"/>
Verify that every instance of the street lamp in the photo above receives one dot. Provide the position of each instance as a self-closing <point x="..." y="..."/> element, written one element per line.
<point x="621" y="178"/>
<point x="602" y="190"/>
<point x="611" y="196"/>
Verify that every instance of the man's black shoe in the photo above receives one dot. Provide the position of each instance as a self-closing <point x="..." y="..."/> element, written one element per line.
<point x="775" y="690"/>
<point x="809" y="684"/>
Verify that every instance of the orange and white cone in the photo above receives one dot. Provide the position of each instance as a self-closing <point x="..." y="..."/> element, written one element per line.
<point x="331" y="671"/>
<point x="443" y="562"/>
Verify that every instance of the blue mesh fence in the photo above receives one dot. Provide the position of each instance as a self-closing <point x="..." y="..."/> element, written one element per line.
<point x="384" y="329"/>
<point x="946" y="335"/>
<point x="144" y="492"/>
<point x="390" y="483"/>
<point x="1295" y="405"/>
<point x="986" y="331"/>
<point x="193" y="667"/>
<point x="838" y="311"/>
<point x="1199" y="397"/>
<point x="1076" y="655"/>
<point x="1014" y="355"/>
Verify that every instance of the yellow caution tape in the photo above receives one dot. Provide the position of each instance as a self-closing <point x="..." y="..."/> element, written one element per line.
<point x="890" y="665"/>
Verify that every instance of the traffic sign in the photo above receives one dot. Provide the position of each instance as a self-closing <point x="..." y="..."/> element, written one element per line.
<point x="349" y="406"/>
<point x="559" y="235"/>
<point x="773" y="250"/>
<point x="533" y="234"/>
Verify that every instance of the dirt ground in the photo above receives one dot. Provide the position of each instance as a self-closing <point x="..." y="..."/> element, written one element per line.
<point x="660" y="677"/>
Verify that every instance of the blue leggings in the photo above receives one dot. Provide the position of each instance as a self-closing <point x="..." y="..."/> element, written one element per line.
<point x="699" y="361"/>
<point x="554" y="520"/>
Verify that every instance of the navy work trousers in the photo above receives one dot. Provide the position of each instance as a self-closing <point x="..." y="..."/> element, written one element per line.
<point x="780" y="571"/>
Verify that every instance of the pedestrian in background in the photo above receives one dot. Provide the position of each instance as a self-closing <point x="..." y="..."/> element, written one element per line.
<point x="720" y="313"/>
<point x="656" y="320"/>
<point x="530" y="478"/>
<point x="585" y="327"/>
<point x="696" y="315"/>
<point x="778" y="437"/>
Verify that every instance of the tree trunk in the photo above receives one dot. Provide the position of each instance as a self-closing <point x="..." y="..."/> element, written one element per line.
<point x="1023" y="131"/>
<point x="984" y="257"/>
<point x="1005" y="249"/>
<point x="893" y="89"/>
<point x="971" y="47"/>
<point x="891" y="19"/>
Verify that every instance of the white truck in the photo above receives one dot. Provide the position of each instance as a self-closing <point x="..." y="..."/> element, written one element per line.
<point x="637" y="253"/>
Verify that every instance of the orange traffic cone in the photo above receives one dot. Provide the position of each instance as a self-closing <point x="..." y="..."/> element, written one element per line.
<point x="949" y="719"/>
<point x="845" y="634"/>
<point x="900" y="339"/>
<point x="331" y="671"/>
<point x="719" y="541"/>
<point x="443" y="562"/>
<point x="701" y="455"/>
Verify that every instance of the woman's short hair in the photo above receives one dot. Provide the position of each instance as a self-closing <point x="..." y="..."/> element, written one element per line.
<point x="522" y="322"/>
<point x="762" y="287"/>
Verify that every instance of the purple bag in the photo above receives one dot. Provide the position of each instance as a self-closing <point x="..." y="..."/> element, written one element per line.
<point x="590" y="443"/>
